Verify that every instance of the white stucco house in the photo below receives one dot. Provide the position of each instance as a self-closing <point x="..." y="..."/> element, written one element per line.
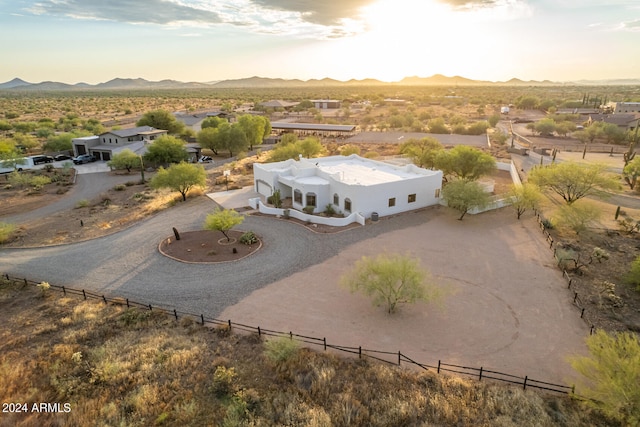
<point x="351" y="184"/>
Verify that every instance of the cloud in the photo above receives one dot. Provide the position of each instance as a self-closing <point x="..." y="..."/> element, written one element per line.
<point x="301" y="18"/>
<point x="631" y="25"/>
<point x="318" y="12"/>
<point x="149" y="11"/>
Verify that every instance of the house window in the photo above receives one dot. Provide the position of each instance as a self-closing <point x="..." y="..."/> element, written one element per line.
<point x="437" y="192"/>
<point x="411" y="198"/>
<point x="311" y="200"/>
<point x="336" y="199"/>
<point x="392" y="202"/>
<point x="104" y="140"/>
<point x="297" y="196"/>
<point x="347" y="205"/>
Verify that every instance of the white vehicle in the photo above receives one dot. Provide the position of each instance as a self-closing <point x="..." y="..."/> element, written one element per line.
<point x="504" y="110"/>
<point x="23" y="163"/>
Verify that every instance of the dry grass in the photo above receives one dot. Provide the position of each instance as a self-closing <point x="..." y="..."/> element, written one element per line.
<point x="119" y="366"/>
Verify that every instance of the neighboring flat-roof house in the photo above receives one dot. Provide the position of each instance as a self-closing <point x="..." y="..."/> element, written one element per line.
<point x="350" y="184"/>
<point x="323" y="104"/>
<point x="105" y="145"/>
<point x="278" y="103"/>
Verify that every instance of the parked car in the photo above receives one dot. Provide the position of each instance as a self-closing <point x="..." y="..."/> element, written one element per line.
<point x="205" y="159"/>
<point x="61" y="157"/>
<point x="42" y="159"/>
<point x="83" y="158"/>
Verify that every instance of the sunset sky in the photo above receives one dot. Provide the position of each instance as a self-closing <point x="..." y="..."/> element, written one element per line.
<point x="95" y="41"/>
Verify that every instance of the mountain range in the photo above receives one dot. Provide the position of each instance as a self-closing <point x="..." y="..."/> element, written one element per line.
<point x="264" y="82"/>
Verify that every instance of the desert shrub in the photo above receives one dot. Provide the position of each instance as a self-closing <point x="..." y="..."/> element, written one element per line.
<point x="130" y="183"/>
<point x="48" y="168"/>
<point x="329" y="210"/>
<point x="547" y="224"/>
<point x="633" y="276"/>
<point x="120" y="187"/>
<point x="8" y="187"/>
<point x="222" y="383"/>
<point x="6" y="230"/>
<point x="249" y="238"/>
<point x="37" y="182"/>
<point x="629" y="226"/>
<point x="82" y="203"/>
<point x="308" y="209"/>
<point x="281" y="349"/>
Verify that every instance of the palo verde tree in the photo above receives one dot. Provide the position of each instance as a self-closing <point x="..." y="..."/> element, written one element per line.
<point x="255" y="128"/>
<point x="165" y="150"/>
<point x="612" y="375"/>
<point x="391" y="280"/>
<point x="578" y="216"/>
<point x="523" y="197"/>
<point x="161" y="119"/>
<point x="422" y="152"/>
<point x="572" y="181"/>
<point x="631" y="172"/>
<point x="464" y="196"/>
<point x="180" y="177"/>
<point x="465" y="163"/>
<point x="125" y="159"/>
<point x="223" y="220"/>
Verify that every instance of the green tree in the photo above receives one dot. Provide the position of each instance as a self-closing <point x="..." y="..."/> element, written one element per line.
<point x="208" y="138"/>
<point x="493" y="120"/>
<point x="237" y="141"/>
<point x="545" y="126"/>
<point x="527" y="102"/>
<point x="437" y="126"/>
<point x="26" y="141"/>
<point x="180" y="177"/>
<point x="578" y="216"/>
<point x="161" y="119"/>
<point x="422" y="152"/>
<point x="464" y="196"/>
<point x="125" y="159"/>
<point x="223" y="220"/>
<point x="212" y="122"/>
<point x="612" y="374"/>
<point x="572" y="181"/>
<point x="63" y="141"/>
<point x="255" y="128"/>
<point x="310" y="147"/>
<point x="392" y="280"/>
<point x="633" y="276"/>
<point x="288" y="138"/>
<point x="165" y="150"/>
<point x="613" y="134"/>
<point x="523" y="197"/>
<point x="464" y="162"/>
<point x="631" y="172"/>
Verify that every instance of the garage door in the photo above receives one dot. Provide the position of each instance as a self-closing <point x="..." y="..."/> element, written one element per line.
<point x="264" y="188"/>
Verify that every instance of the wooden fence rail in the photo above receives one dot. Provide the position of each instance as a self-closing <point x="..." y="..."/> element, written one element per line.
<point x="398" y="357"/>
<point x="570" y="280"/>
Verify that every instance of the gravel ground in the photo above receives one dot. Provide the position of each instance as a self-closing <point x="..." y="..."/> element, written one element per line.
<point x="128" y="264"/>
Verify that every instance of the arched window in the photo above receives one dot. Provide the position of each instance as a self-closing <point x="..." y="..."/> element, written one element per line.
<point x="347" y="205"/>
<point x="336" y="199"/>
<point x="297" y="196"/>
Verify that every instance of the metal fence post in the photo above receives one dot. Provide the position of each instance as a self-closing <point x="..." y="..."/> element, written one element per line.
<point x="84" y="294"/>
<point x="399" y="356"/>
<point x="202" y="317"/>
<point x="64" y="291"/>
<point x="480" y="377"/>
<point x="438" y="366"/>
<point x="525" y="382"/>
<point x="175" y="313"/>
<point x="324" y="341"/>
<point x="259" y="333"/>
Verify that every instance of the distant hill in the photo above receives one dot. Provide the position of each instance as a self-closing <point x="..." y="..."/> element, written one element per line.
<point x="14" y="83"/>
<point x="265" y="82"/>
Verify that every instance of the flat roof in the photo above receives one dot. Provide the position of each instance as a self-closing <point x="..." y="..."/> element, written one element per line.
<point x="360" y="171"/>
<point x="312" y="126"/>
